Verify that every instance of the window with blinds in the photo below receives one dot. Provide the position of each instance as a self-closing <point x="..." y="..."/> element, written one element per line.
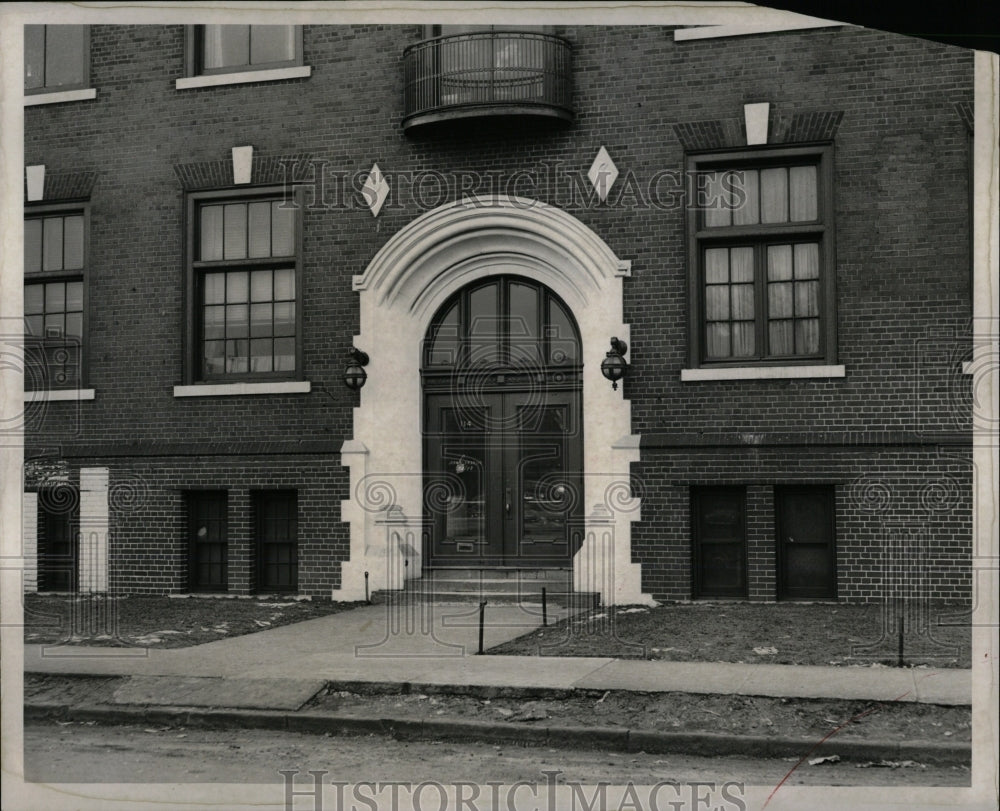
<point x="761" y="254"/>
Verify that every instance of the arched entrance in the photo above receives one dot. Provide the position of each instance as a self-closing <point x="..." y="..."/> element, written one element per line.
<point x="405" y="286"/>
<point x="503" y="432"/>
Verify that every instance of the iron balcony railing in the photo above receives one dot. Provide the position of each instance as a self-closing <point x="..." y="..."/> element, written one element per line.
<point x="487" y="73"/>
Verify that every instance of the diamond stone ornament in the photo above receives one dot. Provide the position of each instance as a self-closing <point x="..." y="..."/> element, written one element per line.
<point x="603" y="173"/>
<point x="375" y="190"/>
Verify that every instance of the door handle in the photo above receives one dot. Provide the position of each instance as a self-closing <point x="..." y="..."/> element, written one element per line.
<point x="506" y="502"/>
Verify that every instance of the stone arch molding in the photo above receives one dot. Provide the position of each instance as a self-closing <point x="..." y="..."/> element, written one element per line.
<point x="399" y="292"/>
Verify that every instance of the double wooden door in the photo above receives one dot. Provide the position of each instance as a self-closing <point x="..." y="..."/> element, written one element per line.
<point x="502" y="481"/>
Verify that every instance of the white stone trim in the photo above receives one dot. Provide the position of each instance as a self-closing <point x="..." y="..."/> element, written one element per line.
<point x="756" y="118"/>
<point x="94" y="529"/>
<point x="742" y="29"/>
<point x="235" y="389"/>
<point x="59" y="395"/>
<point x="34" y="177"/>
<point x="401" y="289"/>
<point x="29" y="541"/>
<point x="244" y="77"/>
<point x="761" y="373"/>
<point x="59" y="96"/>
<point x="242" y="165"/>
<point x="354" y="456"/>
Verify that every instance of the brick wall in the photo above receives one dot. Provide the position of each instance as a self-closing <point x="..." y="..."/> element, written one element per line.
<point x="902" y="261"/>
<point x="893" y="506"/>
<point x="148" y="516"/>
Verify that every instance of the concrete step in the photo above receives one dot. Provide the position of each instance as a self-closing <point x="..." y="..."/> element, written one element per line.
<point x="505" y="586"/>
<point x="498" y="585"/>
<point x="498" y="573"/>
<point x="562" y="598"/>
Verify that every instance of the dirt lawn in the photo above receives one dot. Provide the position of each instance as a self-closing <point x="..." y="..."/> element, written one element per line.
<point x="793" y="634"/>
<point x="161" y="622"/>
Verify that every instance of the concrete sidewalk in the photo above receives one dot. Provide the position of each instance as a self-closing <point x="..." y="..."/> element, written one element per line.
<point x="436" y="645"/>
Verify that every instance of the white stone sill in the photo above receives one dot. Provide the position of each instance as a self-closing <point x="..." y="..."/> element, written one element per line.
<point x="761" y="373"/>
<point x="58" y="395"/>
<point x="234" y="389"/>
<point x="742" y="30"/>
<point x="59" y="96"/>
<point x="244" y="77"/>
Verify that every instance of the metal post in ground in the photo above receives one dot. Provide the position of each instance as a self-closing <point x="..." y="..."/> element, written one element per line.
<point x="368" y="598"/>
<point x="482" y="618"/>
<point x="545" y="610"/>
<point x="899" y="655"/>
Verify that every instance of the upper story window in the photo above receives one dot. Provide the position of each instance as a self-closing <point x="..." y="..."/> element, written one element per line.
<point x="55" y="262"/>
<point x="234" y="48"/>
<point x="241" y="54"/>
<point x="761" y="257"/>
<point x="56" y="58"/>
<point x="244" y="287"/>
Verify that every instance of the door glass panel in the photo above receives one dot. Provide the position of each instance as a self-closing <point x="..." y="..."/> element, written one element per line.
<point x="548" y="490"/>
<point x="523" y="324"/>
<point x="457" y="492"/>
<point x="444" y="350"/>
<point x="562" y="336"/>
<point x="483" y="324"/>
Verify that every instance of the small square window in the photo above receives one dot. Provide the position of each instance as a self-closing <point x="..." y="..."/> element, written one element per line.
<point x="56" y="58"/>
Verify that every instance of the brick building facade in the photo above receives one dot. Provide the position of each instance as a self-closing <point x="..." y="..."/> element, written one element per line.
<point x="777" y="225"/>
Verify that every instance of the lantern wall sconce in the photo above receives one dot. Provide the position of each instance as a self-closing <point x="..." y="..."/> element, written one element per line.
<point x="614" y="367"/>
<point x="355" y="374"/>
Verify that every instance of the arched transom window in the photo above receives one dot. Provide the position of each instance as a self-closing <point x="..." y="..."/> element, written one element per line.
<point x="504" y="322"/>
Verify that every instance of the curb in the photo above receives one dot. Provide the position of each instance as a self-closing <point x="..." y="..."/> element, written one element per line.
<point x="710" y="744"/>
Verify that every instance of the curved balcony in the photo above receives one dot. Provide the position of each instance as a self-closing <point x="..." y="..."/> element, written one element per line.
<point x="489" y="73"/>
